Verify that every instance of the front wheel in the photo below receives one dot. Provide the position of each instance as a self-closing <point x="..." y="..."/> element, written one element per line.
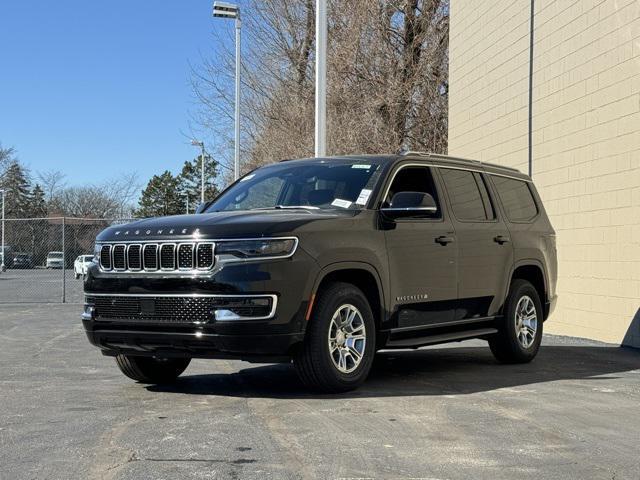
<point x="152" y="370"/>
<point x="521" y="331"/>
<point x="339" y="342"/>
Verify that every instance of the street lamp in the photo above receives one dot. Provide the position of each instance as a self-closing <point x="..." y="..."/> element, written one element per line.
<point x="2" y="266"/>
<point x="196" y="143"/>
<point x="229" y="10"/>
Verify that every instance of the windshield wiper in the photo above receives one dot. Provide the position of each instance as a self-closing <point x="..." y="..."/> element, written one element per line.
<point x="284" y="207"/>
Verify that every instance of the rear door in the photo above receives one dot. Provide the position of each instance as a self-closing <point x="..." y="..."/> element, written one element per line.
<point x="485" y="252"/>
<point x="422" y="254"/>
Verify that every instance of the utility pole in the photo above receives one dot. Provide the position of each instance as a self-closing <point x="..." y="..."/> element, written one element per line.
<point x="2" y="265"/>
<point x="230" y="10"/>
<point x="321" y="79"/>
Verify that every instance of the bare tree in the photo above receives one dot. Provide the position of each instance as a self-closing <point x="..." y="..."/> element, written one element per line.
<point x="114" y="198"/>
<point x="387" y="78"/>
<point x="52" y="182"/>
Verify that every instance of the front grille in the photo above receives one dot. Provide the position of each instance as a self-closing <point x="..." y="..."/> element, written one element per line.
<point x="168" y="256"/>
<point x="153" y="309"/>
<point x="180" y="310"/>
<point x="185" y="256"/>
<point x="105" y="257"/>
<point x="134" y="257"/>
<point x="204" y="254"/>
<point x="160" y="257"/>
<point x="150" y="254"/>
<point x="119" y="259"/>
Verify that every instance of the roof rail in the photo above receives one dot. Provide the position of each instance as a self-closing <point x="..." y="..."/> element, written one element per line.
<point x="470" y="160"/>
<point x="414" y="152"/>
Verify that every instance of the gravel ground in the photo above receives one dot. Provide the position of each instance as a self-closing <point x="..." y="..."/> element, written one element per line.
<point x="451" y="412"/>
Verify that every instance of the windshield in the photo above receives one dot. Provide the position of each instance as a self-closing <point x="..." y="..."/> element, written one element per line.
<point x="55" y="255"/>
<point x="320" y="184"/>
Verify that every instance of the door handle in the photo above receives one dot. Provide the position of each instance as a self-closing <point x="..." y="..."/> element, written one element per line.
<point x="443" y="240"/>
<point x="501" y="239"/>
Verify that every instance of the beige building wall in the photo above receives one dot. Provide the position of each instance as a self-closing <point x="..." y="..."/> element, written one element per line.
<point x="585" y="138"/>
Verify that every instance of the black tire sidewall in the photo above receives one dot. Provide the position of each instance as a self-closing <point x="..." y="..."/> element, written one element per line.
<point x="519" y="289"/>
<point x="333" y="298"/>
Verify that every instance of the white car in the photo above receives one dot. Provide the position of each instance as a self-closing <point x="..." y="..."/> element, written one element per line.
<point x="55" y="260"/>
<point x="81" y="264"/>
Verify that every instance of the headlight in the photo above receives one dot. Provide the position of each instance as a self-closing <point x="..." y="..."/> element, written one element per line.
<point x="96" y="253"/>
<point x="259" y="248"/>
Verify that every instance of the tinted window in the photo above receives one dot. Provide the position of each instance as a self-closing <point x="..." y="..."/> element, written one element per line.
<point x="516" y="198"/>
<point x="465" y="196"/>
<point x="414" y="179"/>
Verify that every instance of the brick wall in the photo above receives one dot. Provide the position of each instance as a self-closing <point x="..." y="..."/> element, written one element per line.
<point x="586" y="138"/>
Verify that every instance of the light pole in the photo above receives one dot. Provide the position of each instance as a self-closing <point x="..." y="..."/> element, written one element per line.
<point x="321" y="78"/>
<point x="2" y="266"/>
<point x="230" y="10"/>
<point x="196" y="143"/>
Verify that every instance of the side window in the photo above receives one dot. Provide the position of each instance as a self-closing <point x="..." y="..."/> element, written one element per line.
<point x="464" y="189"/>
<point x="414" y="179"/>
<point x="516" y="198"/>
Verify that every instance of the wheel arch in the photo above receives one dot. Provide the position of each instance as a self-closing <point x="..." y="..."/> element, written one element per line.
<point x="532" y="271"/>
<point x="362" y="275"/>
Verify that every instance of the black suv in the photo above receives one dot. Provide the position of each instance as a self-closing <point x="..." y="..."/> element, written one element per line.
<point x="324" y="262"/>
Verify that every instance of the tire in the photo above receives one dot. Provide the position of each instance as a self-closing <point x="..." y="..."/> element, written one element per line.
<point x="77" y="276"/>
<point x="340" y="371"/>
<point x="152" y="370"/>
<point x="510" y="345"/>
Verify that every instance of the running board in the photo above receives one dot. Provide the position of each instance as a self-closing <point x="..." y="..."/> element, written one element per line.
<point x="442" y="338"/>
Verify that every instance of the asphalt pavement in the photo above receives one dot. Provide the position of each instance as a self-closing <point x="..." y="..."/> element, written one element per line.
<point x="451" y="412"/>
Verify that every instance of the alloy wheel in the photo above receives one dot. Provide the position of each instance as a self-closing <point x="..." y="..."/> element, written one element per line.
<point x="347" y="338"/>
<point x="526" y="320"/>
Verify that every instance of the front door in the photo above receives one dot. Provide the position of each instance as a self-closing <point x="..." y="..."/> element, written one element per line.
<point x="422" y="254"/>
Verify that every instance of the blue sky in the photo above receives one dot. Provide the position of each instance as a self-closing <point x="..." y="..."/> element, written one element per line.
<point x="95" y="88"/>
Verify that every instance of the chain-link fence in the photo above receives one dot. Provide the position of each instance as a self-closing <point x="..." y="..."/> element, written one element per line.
<point x="45" y="258"/>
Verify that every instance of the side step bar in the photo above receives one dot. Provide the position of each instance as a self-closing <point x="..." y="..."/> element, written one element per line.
<point x="442" y="338"/>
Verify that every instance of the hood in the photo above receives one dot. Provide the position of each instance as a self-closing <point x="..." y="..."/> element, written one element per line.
<point x="240" y="224"/>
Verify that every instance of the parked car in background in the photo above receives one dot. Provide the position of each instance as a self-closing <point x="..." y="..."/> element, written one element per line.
<point x="22" y="260"/>
<point x="81" y="264"/>
<point x="55" y="260"/>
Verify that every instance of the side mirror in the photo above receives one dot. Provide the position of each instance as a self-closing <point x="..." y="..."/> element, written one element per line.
<point x="411" y="204"/>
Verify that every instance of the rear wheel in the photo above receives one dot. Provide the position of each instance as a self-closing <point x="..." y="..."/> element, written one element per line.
<point x="521" y="332"/>
<point x="152" y="370"/>
<point x="340" y="341"/>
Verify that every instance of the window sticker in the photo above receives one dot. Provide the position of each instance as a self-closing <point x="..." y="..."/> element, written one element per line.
<point x="363" y="198"/>
<point x="338" y="202"/>
<point x="362" y="166"/>
<point x="248" y="177"/>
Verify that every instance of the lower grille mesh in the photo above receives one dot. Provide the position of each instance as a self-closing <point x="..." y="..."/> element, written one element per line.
<point x="154" y="309"/>
<point x="179" y="310"/>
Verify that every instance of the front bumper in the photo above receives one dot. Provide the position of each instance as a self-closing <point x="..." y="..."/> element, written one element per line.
<point x="150" y="331"/>
<point x="192" y="342"/>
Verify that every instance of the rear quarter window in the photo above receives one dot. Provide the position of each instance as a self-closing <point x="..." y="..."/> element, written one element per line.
<point x="516" y="198"/>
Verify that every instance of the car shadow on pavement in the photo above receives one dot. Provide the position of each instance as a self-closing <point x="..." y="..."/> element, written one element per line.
<point x="444" y="371"/>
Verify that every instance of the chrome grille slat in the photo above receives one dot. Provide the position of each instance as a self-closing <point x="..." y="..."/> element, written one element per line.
<point x="150" y="257"/>
<point x="105" y="257"/>
<point x="118" y="257"/>
<point x="168" y="256"/>
<point x="134" y="257"/>
<point x="161" y="257"/>
<point x="185" y="256"/>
